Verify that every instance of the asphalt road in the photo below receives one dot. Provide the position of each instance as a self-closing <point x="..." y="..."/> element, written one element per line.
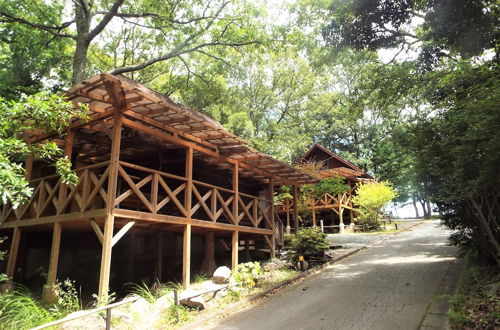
<point x="388" y="286"/>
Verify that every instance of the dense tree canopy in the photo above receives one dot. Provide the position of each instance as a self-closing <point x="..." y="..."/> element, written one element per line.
<point x="407" y="90"/>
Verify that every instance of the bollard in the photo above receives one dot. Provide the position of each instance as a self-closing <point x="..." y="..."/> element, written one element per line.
<point x="396" y="225"/>
<point x="301" y="263"/>
<point x="176" y="298"/>
<point x="321" y="225"/>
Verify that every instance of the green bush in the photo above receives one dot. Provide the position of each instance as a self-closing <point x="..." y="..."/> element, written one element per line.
<point x="248" y="273"/>
<point x="309" y="242"/>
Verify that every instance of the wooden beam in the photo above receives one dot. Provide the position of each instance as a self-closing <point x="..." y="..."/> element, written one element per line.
<point x="97" y="230"/>
<point x="186" y="257"/>
<point x="55" y="218"/>
<point x="28" y="167"/>
<point x="178" y="141"/>
<point x="107" y="241"/>
<point x="14" y="249"/>
<point x="171" y="129"/>
<point x="54" y="254"/>
<point x="236" y="188"/>
<point x="295" y="211"/>
<point x="234" y="251"/>
<point x="145" y="216"/>
<point x="272" y="248"/>
<point x="188" y="192"/>
<point x="68" y="151"/>
<point x="122" y="232"/>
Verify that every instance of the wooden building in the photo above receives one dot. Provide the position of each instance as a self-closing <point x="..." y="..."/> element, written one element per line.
<point x="333" y="210"/>
<point x="146" y="164"/>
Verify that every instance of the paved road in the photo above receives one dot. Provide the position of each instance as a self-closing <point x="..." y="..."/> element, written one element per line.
<point x="386" y="287"/>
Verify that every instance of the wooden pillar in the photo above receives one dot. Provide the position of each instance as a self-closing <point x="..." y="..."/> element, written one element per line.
<point x="208" y="266"/>
<point x="295" y="211"/>
<point x="14" y="249"/>
<point x="28" y="168"/>
<point x="234" y="251"/>
<point x="49" y="292"/>
<point x="186" y="257"/>
<point x="272" y="248"/>
<point x="236" y="189"/>
<point x="109" y="219"/>
<point x="159" y="255"/>
<point x="314" y="218"/>
<point x="68" y="151"/>
<point x="188" y="195"/>
<point x="341" y="216"/>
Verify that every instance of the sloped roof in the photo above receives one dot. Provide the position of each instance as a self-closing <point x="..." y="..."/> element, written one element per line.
<point x="350" y="170"/>
<point x="159" y="113"/>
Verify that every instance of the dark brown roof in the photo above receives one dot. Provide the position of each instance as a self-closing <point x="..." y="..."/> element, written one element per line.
<point x="354" y="169"/>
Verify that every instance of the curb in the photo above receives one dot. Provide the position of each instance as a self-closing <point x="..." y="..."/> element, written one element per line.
<point x="237" y="305"/>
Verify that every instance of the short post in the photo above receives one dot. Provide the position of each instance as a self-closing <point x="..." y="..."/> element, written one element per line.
<point x="108" y="319"/>
<point x="321" y="225"/>
<point x="396" y="224"/>
<point x="301" y="263"/>
<point x="176" y="297"/>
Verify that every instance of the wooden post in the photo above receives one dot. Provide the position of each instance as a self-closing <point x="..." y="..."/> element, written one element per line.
<point x="234" y="251"/>
<point x="109" y="219"/>
<point x="295" y="211"/>
<point x="272" y="248"/>
<point x="28" y="167"/>
<point x="208" y="266"/>
<point x="49" y="292"/>
<point x="236" y="192"/>
<point x="14" y="249"/>
<point x="159" y="256"/>
<point x="188" y="195"/>
<point x="341" y="216"/>
<point x="288" y="222"/>
<point x="68" y="151"/>
<point x="186" y="257"/>
<point x="314" y="218"/>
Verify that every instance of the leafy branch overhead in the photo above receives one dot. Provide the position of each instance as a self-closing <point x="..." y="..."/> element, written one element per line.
<point x="177" y="28"/>
<point x="40" y="113"/>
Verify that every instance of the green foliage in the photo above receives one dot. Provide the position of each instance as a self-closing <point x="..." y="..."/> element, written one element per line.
<point x="42" y="111"/>
<point x="248" y="273"/>
<point x="200" y="278"/>
<point x="371" y="198"/>
<point x="309" y="242"/>
<point x="476" y="305"/>
<point x="285" y="192"/>
<point x="19" y="309"/>
<point x="334" y="186"/>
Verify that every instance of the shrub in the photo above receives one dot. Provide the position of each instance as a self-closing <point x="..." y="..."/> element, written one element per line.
<point x="371" y="198"/>
<point x="309" y="242"/>
<point x="248" y="273"/>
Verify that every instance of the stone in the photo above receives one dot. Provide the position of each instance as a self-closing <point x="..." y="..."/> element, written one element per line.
<point x="195" y="302"/>
<point x="92" y="321"/>
<point x="121" y="317"/>
<point x="221" y="275"/>
<point x="163" y="303"/>
<point x="270" y="266"/>
<point x="140" y="307"/>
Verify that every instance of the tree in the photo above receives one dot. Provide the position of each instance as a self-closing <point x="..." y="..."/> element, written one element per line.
<point x="44" y="113"/>
<point x="371" y="198"/>
<point x="170" y="28"/>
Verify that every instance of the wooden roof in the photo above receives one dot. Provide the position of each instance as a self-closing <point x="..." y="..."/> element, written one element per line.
<point x="349" y="171"/>
<point x="158" y="114"/>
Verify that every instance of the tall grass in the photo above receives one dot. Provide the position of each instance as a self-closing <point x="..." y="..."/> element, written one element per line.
<point x="20" y="310"/>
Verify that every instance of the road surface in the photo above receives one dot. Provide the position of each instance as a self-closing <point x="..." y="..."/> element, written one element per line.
<point x="388" y="286"/>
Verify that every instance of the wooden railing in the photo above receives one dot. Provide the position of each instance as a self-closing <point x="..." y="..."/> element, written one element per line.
<point x="141" y="189"/>
<point x="51" y="197"/>
<point x="158" y="192"/>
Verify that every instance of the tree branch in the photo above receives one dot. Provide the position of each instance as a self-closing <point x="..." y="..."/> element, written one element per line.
<point x="55" y="30"/>
<point x="105" y="20"/>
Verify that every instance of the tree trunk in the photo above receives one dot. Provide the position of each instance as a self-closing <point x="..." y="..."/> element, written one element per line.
<point x="415" y="206"/>
<point x="82" y="44"/>
<point x="429" y="208"/>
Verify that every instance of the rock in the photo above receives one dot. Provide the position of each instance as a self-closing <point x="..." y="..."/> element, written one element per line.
<point x="121" y="317"/>
<point x="92" y="321"/>
<point x="221" y="275"/>
<point x="305" y="267"/>
<point x="221" y="294"/>
<point x="289" y="265"/>
<point x="195" y="302"/>
<point x="163" y="303"/>
<point x="140" y="307"/>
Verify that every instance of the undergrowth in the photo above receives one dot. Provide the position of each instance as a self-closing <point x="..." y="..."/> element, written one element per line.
<point x="477" y="303"/>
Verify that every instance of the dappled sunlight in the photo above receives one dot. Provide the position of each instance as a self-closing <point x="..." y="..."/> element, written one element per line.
<point x="419" y="258"/>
